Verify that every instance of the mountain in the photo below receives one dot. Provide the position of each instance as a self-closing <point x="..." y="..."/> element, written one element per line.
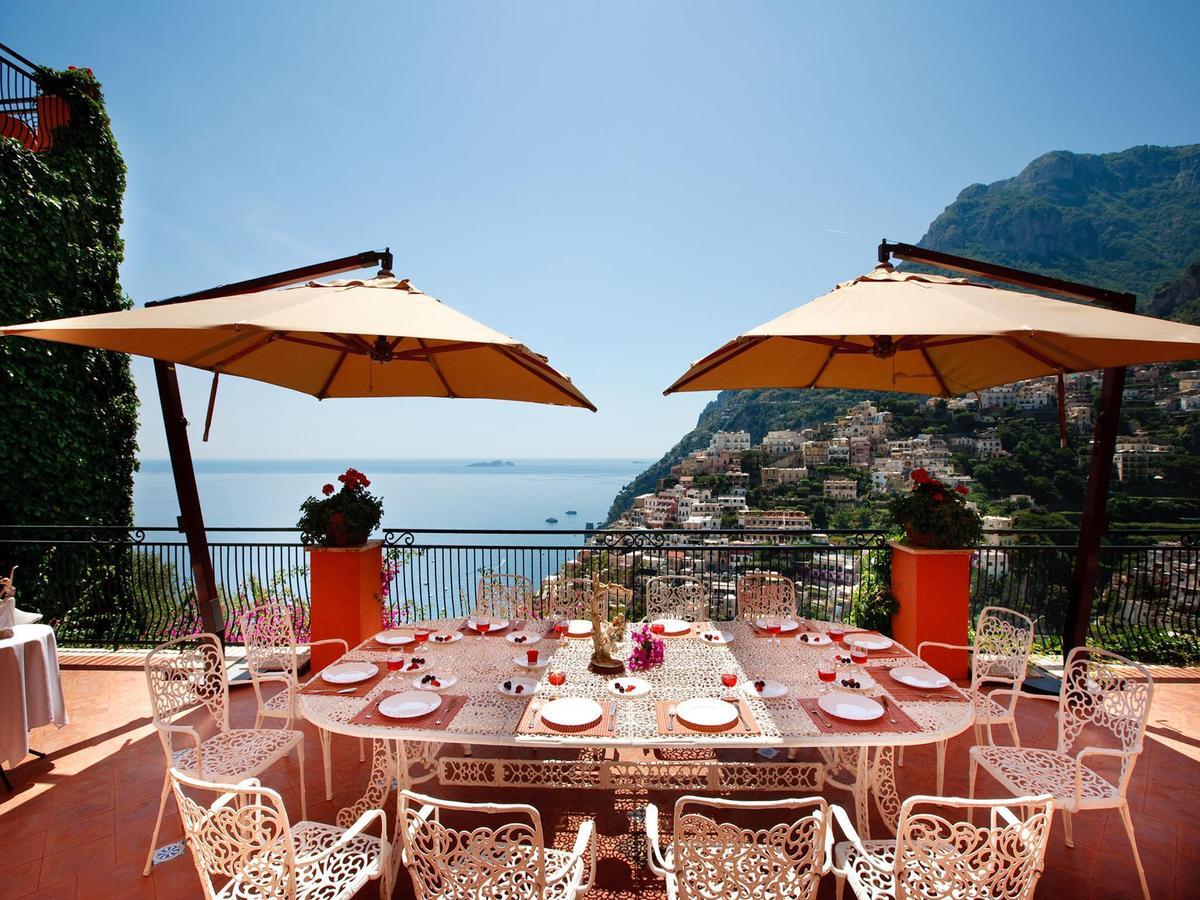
<point x="1128" y="221"/>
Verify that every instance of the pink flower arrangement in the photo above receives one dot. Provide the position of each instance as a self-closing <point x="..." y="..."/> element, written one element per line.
<point x="647" y="652"/>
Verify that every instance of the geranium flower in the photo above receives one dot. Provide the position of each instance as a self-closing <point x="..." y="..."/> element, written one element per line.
<point x="963" y="489"/>
<point x="327" y="490"/>
<point x="920" y="476"/>
<point x="939" y="497"/>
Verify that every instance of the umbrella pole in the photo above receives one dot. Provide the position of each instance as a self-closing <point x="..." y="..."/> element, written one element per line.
<point x="191" y="516"/>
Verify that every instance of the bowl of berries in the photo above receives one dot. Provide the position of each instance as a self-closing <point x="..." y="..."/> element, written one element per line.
<point x="628" y="687"/>
<point x="433" y="681"/>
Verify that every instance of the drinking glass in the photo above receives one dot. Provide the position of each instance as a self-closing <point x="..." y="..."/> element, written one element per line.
<point x="557" y="678"/>
<point x="836" y="632"/>
<point x="827" y="672"/>
<point x="858" y="654"/>
<point x="774" y="627"/>
<point x="657" y="627"/>
<point x="561" y="627"/>
<point x="729" y="678"/>
<point x="421" y="635"/>
<point x="482" y="626"/>
<point x="395" y="659"/>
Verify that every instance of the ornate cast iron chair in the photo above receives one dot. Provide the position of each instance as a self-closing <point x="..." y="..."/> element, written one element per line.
<point x="710" y="857"/>
<point x="269" y="634"/>
<point x="504" y="597"/>
<point x="763" y="594"/>
<point x="244" y="846"/>
<point x="471" y="857"/>
<point x="676" y="597"/>
<point x="572" y="599"/>
<point x="189" y="673"/>
<point x="999" y="656"/>
<point x="1102" y="713"/>
<point x="936" y="857"/>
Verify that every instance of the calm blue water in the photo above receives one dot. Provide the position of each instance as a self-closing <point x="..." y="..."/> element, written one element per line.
<point x="423" y="493"/>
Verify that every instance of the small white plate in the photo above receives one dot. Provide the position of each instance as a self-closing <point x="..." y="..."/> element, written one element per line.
<point x="640" y="686"/>
<point x="409" y="705"/>
<point x="770" y="690"/>
<point x="412" y="667"/>
<point x="715" y="637"/>
<point x="673" y="626"/>
<point x="571" y="713"/>
<point x="839" y="656"/>
<point x="862" y="679"/>
<point x="921" y="677"/>
<point x="579" y="628"/>
<point x="786" y="626"/>
<point x="705" y="712"/>
<point x="497" y="625"/>
<point x="349" y="672"/>
<point x="869" y="641"/>
<point x="443" y="681"/>
<point x="525" y="686"/>
<point x="852" y="707"/>
<point x="395" y="637"/>
<point x="445" y="637"/>
<point x="524" y="638"/>
<point x="543" y="661"/>
<point x="814" y="638"/>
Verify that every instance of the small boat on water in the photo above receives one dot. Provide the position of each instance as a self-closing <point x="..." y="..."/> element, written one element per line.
<point x="552" y="520"/>
<point x="571" y="512"/>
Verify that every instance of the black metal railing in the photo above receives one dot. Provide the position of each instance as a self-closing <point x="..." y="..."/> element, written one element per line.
<point x="19" y="92"/>
<point x="132" y="587"/>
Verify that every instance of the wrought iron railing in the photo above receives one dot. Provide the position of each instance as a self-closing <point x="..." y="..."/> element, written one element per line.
<point x="19" y="91"/>
<point x="132" y="587"/>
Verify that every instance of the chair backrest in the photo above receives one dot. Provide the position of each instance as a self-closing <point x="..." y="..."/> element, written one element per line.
<point x="952" y="857"/>
<point x="237" y="833"/>
<point x="571" y="598"/>
<point x="1003" y="642"/>
<point x="765" y="594"/>
<point x="496" y="850"/>
<point x="676" y="597"/>
<point x="781" y="855"/>
<point x="185" y="673"/>
<point x="1105" y="703"/>
<point x="269" y="634"/>
<point x="504" y="596"/>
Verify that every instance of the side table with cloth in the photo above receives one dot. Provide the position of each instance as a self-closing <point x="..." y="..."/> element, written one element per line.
<point x="30" y="688"/>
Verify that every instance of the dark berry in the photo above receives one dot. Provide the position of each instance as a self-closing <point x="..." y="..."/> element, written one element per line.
<point x="520" y="688"/>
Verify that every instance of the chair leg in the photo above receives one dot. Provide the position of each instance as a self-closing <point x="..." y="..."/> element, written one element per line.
<point x="978" y="735"/>
<point x="1137" y="857"/>
<point x="974" y="770"/>
<point x="303" y="791"/>
<point x="1012" y="727"/>
<point x="900" y="756"/>
<point x="162" y="805"/>
<point x="841" y="886"/>
<point x="325" y="738"/>
<point x="362" y="753"/>
<point x="258" y="721"/>
<point x="941" y="776"/>
<point x="1068" y="832"/>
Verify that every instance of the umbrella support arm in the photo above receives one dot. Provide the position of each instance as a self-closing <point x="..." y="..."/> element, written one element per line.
<point x="191" y="517"/>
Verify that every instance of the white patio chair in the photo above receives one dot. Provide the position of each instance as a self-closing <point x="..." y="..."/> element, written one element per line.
<point x="1102" y="713"/>
<point x="188" y="673"/>
<point x="572" y="599"/>
<point x="710" y="857"/>
<point x="243" y="844"/>
<point x="471" y="858"/>
<point x="999" y="656"/>
<point x="269" y="634"/>
<point x="762" y="594"/>
<point x="502" y="596"/>
<point x="676" y="597"/>
<point x="932" y="856"/>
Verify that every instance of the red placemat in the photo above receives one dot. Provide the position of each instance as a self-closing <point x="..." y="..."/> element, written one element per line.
<point x="662" y="712"/>
<point x="531" y="722"/>
<point x="318" y="686"/>
<point x="903" y="725"/>
<point x="440" y="718"/>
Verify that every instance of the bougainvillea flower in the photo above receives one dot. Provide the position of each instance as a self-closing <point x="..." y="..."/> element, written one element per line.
<point x="920" y="476"/>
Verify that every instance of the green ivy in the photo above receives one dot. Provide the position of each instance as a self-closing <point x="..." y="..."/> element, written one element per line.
<point x="70" y="414"/>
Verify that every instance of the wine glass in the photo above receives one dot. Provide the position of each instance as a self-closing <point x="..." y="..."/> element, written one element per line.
<point x="560" y="627"/>
<point x="482" y="625"/>
<point x="827" y="672"/>
<point x="729" y="678"/>
<point x="774" y="627"/>
<point x="557" y="677"/>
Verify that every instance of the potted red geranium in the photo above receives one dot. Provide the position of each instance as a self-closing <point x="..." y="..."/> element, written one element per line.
<point x="935" y="515"/>
<point x="341" y="518"/>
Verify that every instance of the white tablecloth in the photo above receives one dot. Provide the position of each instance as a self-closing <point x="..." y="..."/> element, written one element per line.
<point x="30" y="688"/>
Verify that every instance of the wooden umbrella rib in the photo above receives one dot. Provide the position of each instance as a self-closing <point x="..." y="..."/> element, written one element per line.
<point x="825" y="365"/>
<point x="337" y="367"/>
<point x="270" y="337"/>
<point x="525" y="363"/>
<point x="418" y="355"/>
<point x="308" y="342"/>
<point x="1044" y="360"/>
<point x="433" y="364"/>
<point x="839" y="345"/>
<point x="714" y="359"/>
<point x="936" y="374"/>
<point x="950" y="341"/>
<point x="238" y="338"/>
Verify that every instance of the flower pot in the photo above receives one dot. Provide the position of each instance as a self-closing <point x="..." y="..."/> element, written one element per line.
<point x="915" y="538"/>
<point x="344" y="592"/>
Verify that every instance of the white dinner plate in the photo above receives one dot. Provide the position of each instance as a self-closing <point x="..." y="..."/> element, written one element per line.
<point x="571" y="713"/>
<point x="839" y="656"/>
<point x="814" y="638"/>
<point x="630" y="687"/>
<point x="786" y="626"/>
<point x="445" y="637"/>
<point x="707" y="713"/>
<point x="673" y="626"/>
<point x="524" y="638"/>
<point x="409" y="705"/>
<point x="497" y="625"/>
<point x="922" y="677"/>
<point x="869" y="641"/>
<point x="524" y="663"/>
<point x="852" y="707"/>
<point x="349" y="672"/>
<point x="425" y="682"/>
<point x="579" y="627"/>
<point x="395" y="637"/>
<point x="847" y="679"/>
<point x="770" y="688"/>
<point x="516" y="687"/>
<point x="713" y="636"/>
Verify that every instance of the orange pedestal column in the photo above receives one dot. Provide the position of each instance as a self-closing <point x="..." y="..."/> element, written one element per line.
<point x="933" y="588"/>
<point x="344" y="596"/>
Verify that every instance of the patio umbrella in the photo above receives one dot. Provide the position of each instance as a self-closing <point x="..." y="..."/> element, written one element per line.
<point x="378" y="337"/>
<point x="927" y="334"/>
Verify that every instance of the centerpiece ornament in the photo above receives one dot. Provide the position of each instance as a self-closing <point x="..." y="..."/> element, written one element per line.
<point x="342" y="518"/>
<point x="605" y="635"/>
<point x="935" y="516"/>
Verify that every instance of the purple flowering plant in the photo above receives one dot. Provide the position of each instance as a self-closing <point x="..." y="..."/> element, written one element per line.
<point x="647" y="652"/>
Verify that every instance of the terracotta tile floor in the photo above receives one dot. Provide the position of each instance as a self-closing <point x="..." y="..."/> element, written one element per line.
<point x="78" y="823"/>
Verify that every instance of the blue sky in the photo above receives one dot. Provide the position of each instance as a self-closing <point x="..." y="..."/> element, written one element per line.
<point x="622" y="186"/>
